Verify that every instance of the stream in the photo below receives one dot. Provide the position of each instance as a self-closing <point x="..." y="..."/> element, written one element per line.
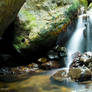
<point x="42" y="82"/>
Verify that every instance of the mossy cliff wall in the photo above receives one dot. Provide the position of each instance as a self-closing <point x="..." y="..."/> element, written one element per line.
<point x="40" y="21"/>
<point x="39" y="26"/>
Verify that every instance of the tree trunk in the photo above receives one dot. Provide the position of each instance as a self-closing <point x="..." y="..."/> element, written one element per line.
<point x="8" y="12"/>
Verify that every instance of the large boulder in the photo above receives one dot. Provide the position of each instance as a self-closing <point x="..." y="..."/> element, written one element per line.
<point x="83" y="60"/>
<point x="40" y="23"/>
<point x="60" y="76"/>
<point x="8" y="11"/>
<point x="73" y="75"/>
<point x="79" y="71"/>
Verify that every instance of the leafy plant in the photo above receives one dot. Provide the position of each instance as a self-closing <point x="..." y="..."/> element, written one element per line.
<point x="30" y="20"/>
<point x="84" y="3"/>
<point x="90" y="6"/>
<point x="72" y="9"/>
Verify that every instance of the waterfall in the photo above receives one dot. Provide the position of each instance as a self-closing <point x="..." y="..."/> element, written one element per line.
<point x="89" y="32"/>
<point x="80" y="37"/>
<point x="75" y="42"/>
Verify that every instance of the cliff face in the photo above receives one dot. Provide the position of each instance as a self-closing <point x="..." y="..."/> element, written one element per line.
<point x="41" y="21"/>
<point x="8" y="12"/>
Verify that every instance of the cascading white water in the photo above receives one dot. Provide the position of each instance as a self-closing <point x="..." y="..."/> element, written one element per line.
<point x="75" y="44"/>
<point x="80" y="38"/>
<point x="89" y="32"/>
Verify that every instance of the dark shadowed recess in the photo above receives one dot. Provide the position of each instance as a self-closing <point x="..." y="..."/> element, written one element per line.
<point x="8" y="54"/>
<point x="10" y="57"/>
<point x="89" y="1"/>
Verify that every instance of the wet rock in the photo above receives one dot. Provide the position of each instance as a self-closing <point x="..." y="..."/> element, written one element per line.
<point x="20" y="70"/>
<point x="74" y="74"/>
<point x="74" y="65"/>
<point x="85" y="18"/>
<point x="90" y="66"/>
<point x="61" y="49"/>
<point x="62" y="54"/>
<point x="16" y="74"/>
<point x="86" y="75"/>
<point x="62" y="62"/>
<point x="76" y="55"/>
<point x="76" y="62"/>
<point x="80" y="74"/>
<point x="53" y="55"/>
<point x="19" y="73"/>
<point x="60" y="76"/>
<point x="85" y="58"/>
<point x="79" y="71"/>
<point x="57" y="52"/>
<point x="88" y="53"/>
<point x="42" y="60"/>
<point x="50" y="65"/>
<point x="85" y="31"/>
<point x="33" y="65"/>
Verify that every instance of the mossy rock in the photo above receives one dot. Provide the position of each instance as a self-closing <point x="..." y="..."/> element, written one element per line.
<point x="90" y="6"/>
<point x="38" y="29"/>
<point x="84" y="3"/>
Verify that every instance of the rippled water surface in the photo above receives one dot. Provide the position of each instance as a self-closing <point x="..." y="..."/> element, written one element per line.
<point x="43" y="83"/>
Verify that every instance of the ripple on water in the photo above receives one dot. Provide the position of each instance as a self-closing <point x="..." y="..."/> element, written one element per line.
<point x="43" y="83"/>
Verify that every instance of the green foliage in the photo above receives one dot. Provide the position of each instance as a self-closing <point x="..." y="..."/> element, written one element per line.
<point x="90" y="6"/>
<point x="27" y="24"/>
<point x="84" y="3"/>
<point x="21" y="42"/>
<point x="72" y="9"/>
<point x="30" y="20"/>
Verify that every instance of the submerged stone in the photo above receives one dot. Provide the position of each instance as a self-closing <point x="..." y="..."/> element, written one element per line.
<point x="50" y="65"/>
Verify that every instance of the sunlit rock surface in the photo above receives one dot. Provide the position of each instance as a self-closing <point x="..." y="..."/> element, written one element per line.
<point x="40" y="22"/>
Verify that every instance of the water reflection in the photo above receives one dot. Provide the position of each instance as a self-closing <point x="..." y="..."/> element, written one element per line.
<point x="43" y="83"/>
